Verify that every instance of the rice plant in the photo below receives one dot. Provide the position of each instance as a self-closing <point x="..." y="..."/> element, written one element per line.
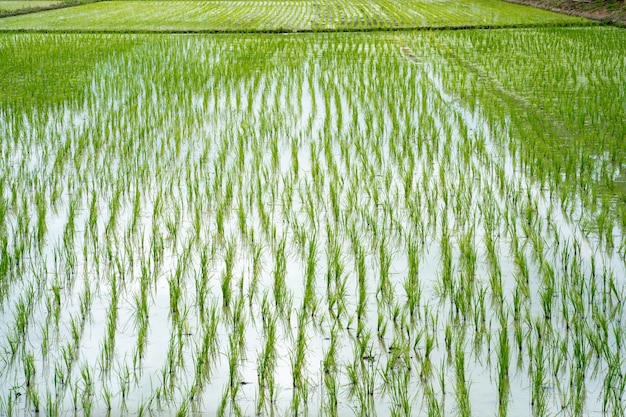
<point x="330" y="223"/>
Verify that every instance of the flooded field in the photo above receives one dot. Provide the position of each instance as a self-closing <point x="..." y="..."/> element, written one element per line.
<point x="392" y="223"/>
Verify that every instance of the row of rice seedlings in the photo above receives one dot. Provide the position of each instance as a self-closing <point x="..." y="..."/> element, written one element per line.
<point x="343" y="230"/>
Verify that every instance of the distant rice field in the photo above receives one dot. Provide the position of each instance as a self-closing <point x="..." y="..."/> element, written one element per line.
<point x="283" y="15"/>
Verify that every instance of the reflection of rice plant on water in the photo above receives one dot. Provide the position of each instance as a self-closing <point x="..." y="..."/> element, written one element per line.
<point x="364" y="223"/>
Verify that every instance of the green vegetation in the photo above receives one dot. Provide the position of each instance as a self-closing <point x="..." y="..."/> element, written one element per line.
<point x="279" y="15"/>
<point x="18" y="7"/>
<point x="38" y="72"/>
<point x="8" y="6"/>
<point x="402" y="223"/>
<point x="609" y="11"/>
<point x="575" y="101"/>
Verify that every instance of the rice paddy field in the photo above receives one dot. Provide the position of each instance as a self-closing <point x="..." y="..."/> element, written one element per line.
<point x="13" y="6"/>
<point x="281" y="16"/>
<point x="404" y="223"/>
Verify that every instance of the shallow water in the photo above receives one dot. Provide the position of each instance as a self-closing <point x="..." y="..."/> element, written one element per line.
<point x="219" y="176"/>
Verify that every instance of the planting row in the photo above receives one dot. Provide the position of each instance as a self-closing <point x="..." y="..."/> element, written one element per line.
<point x="332" y="223"/>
